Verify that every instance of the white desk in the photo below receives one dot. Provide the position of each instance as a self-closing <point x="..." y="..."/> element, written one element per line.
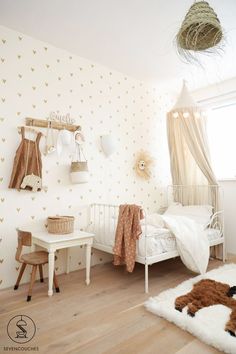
<point x="53" y="242"/>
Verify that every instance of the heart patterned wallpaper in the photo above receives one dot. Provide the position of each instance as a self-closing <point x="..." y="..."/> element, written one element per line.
<point x="36" y="79"/>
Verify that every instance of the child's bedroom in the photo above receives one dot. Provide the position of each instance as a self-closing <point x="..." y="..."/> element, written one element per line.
<point x="118" y="176"/>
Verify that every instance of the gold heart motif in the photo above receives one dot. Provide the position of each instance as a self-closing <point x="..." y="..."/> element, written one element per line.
<point x="70" y="57"/>
<point x="48" y="66"/>
<point x="57" y="163"/>
<point x="32" y="69"/>
<point x="3" y="99"/>
<point x="69" y="206"/>
<point x="59" y="78"/>
<point x="33" y="105"/>
<point x="1" y="260"/>
<point x="58" y="95"/>
<point x="20" y="76"/>
<point x="18" y="56"/>
<point x="2" y="200"/>
<point x="32" y="217"/>
<point x="0" y="239"/>
<point x="56" y="268"/>
<point x="58" y="181"/>
<point x="3" y="41"/>
<point x="71" y="74"/>
<point x="33" y="87"/>
<point x="33" y="198"/>
<point x="0" y="281"/>
<point x="58" y="198"/>
<point x="4" y="81"/>
<point x="2" y="60"/>
<point x="34" y="51"/>
<point x="79" y="263"/>
<point x="46" y="171"/>
<point x="70" y="190"/>
<point x="20" y="38"/>
<point x="18" y="209"/>
<point x="46" y="83"/>
<point x="58" y="60"/>
<point x="45" y="48"/>
<point x="19" y="94"/>
<point x="18" y="113"/>
<point x="45" y="101"/>
<point x="3" y="140"/>
<point x="2" y="159"/>
<point x="44" y="208"/>
<point x="17" y="268"/>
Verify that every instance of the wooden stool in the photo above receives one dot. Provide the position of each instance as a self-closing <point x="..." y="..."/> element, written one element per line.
<point x="35" y="259"/>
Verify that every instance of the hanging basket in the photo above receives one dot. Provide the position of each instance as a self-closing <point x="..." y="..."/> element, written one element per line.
<point x="79" y="172"/>
<point x="79" y="167"/>
<point x="200" y="31"/>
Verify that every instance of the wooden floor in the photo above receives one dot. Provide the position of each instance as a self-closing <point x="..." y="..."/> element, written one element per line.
<point x="106" y="317"/>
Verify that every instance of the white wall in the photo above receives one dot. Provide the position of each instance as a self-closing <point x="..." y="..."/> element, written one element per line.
<point x="229" y="188"/>
<point x="35" y="79"/>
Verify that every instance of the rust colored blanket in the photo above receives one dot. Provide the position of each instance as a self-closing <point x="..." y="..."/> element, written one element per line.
<point x="127" y="232"/>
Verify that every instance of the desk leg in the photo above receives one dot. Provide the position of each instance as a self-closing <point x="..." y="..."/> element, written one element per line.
<point x="88" y="263"/>
<point x="67" y="260"/>
<point x="51" y="259"/>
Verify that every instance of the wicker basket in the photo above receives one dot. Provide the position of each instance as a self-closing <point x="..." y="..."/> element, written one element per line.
<point x="60" y="224"/>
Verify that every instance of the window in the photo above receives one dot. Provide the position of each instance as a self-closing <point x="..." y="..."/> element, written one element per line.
<point x="222" y="140"/>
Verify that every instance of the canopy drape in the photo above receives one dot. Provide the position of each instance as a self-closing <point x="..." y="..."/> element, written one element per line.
<point x="190" y="157"/>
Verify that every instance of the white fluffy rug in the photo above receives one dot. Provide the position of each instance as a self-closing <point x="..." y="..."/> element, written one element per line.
<point x="208" y="323"/>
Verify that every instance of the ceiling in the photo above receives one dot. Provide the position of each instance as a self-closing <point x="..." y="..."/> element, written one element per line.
<point x="135" y="37"/>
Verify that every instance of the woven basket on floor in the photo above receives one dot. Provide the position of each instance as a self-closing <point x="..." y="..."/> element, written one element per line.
<point x="60" y="224"/>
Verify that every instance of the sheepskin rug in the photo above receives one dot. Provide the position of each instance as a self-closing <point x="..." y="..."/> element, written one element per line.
<point x="208" y="323"/>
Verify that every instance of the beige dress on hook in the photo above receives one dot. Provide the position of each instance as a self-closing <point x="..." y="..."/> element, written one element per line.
<point x="22" y="167"/>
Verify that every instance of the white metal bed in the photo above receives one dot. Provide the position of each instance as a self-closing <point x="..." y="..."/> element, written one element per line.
<point x="103" y="219"/>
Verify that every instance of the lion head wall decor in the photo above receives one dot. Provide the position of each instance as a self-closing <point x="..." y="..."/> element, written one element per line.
<point x="143" y="165"/>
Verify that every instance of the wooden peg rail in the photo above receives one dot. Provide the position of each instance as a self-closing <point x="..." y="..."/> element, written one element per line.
<point x="42" y="123"/>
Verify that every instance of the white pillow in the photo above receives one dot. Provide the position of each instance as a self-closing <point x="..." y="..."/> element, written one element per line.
<point x="201" y="214"/>
<point x="154" y="220"/>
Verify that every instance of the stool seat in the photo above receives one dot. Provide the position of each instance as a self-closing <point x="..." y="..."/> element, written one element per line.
<point x="39" y="257"/>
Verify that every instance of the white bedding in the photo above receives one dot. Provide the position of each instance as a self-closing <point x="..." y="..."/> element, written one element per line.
<point x="160" y="240"/>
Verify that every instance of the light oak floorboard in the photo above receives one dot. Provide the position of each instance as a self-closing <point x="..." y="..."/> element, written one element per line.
<point x="107" y="316"/>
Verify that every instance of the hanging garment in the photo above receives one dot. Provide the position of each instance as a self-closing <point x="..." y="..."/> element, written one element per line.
<point x="27" y="161"/>
<point x="127" y="233"/>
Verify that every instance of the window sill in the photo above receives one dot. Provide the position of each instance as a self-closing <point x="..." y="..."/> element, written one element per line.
<point x="227" y="179"/>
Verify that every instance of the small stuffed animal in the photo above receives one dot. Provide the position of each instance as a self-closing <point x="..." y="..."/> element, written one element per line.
<point x="206" y="293"/>
<point x="35" y="182"/>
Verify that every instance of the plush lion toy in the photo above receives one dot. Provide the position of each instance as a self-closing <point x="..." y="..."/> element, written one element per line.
<point x="206" y="293"/>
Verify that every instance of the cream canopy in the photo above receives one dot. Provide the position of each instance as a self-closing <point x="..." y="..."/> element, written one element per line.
<point x="189" y="153"/>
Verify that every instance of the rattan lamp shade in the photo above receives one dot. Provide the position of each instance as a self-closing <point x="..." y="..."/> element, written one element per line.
<point x="200" y="31"/>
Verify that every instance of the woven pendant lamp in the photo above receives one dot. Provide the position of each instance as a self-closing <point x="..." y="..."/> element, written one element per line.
<point x="200" y="31"/>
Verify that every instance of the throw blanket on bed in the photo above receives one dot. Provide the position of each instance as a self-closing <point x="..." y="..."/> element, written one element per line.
<point x="127" y="232"/>
<point x="192" y="242"/>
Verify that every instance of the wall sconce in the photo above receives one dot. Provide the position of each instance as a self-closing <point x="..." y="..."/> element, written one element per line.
<point x="109" y="144"/>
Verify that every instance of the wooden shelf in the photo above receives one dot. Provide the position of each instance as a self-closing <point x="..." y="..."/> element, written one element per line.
<point x="42" y="123"/>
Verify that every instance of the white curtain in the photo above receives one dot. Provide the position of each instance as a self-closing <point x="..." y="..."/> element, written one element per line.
<point x="189" y="156"/>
